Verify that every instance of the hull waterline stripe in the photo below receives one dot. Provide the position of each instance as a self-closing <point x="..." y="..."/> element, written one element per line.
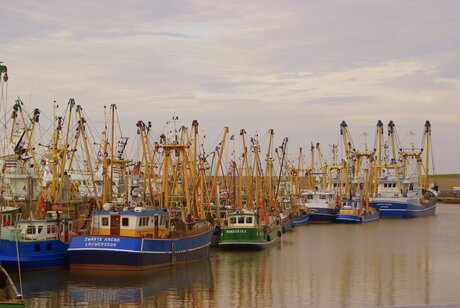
<point x="140" y="251"/>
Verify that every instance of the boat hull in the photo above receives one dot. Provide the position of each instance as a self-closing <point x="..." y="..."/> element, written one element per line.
<point x="287" y="224"/>
<point x="348" y="218"/>
<point x="301" y="220"/>
<point x="322" y="215"/>
<point x="420" y="210"/>
<point x="403" y="209"/>
<point x="33" y="254"/>
<point x="135" y="253"/>
<point x="390" y="208"/>
<point x="248" y="238"/>
<point x="354" y="219"/>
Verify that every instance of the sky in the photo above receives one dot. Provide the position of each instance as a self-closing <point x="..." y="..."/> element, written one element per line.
<point x="298" y="67"/>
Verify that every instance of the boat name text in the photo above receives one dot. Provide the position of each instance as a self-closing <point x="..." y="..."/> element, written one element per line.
<point x="99" y="241"/>
<point x="236" y="231"/>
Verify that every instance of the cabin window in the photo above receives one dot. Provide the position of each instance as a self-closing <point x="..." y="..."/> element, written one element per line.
<point x="233" y="220"/>
<point x="241" y="220"/>
<point x="40" y="228"/>
<point x="48" y="229"/>
<point x="31" y="230"/>
<point x="322" y="196"/>
<point x="394" y="184"/>
<point x="125" y="221"/>
<point x="105" y="221"/>
<point x="143" y="221"/>
<point x="385" y="185"/>
<point x="249" y="220"/>
<point x="48" y="246"/>
<point x="37" y="247"/>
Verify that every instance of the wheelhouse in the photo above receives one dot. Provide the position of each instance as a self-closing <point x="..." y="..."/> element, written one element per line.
<point x="137" y="222"/>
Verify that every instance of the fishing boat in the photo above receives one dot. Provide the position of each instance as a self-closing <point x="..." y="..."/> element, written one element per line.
<point x="260" y="227"/>
<point x="321" y="205"/>
<point x="357" y="164"/>
<point x="400" y="194"/>
<point x="355" y="211"/>
<point x="138" y="239"/>
<point x="245" y="230"/>
<point x="35" y="243"/>
<point x="134" y="237"/>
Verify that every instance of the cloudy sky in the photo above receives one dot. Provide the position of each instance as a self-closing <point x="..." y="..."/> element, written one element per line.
<point x="299" y="67"/>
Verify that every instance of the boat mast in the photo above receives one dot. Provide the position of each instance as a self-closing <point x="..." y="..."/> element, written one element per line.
<point x="347" y="146"/>
<point x="394" y="162"/>
<point x="81" y="125"/>
<point x="113" y="107"/>
<point x="377" y="165"/>
<point x="63" y="154"/>
<point x="311" y="181"/>
<point x="427" y="138"/>
<point x="105" y="167"/>
<point x="322" y="166"/>
<point x="246" y="180"/>
<point x="269" y="168"/>
<point x="256" y="176"/>
<point x="147" y="158"/>
<point x="216" y="171"/>
<point x="28" y="132"/>
<point x="191" y="160"/>
<point x="283" y="158"/>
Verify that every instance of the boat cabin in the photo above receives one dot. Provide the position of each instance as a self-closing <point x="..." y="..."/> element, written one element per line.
<point x="242" y="220"/>
<point x="133" y="222"/>
<point x="351" y="207"/>
<point x="9" y="215"/>
<point x="387" y="188"/>
<point x="50" y="228"/>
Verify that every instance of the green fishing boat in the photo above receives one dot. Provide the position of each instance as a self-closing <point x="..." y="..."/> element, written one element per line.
<point x="245" y="230"/>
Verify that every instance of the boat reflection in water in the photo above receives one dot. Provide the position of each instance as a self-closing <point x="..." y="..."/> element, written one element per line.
<point x="390" y="262"/>
<point x="371" y="265"/>
<point x="172" y="285"/>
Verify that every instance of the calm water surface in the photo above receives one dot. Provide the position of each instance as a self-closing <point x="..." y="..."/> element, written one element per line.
<point x="389" y="262"/>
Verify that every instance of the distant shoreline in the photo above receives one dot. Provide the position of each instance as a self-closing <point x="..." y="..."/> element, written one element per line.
<point x="445" y="181"/>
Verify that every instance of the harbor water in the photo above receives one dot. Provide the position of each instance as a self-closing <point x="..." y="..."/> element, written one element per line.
<point x="384" y="263"/>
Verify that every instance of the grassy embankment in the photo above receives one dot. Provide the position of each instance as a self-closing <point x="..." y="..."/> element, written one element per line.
<point x="445" y="181"/>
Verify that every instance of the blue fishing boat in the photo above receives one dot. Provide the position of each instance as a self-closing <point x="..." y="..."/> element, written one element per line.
<point x="321" y="205"/>
<point x="138" y="239"/>
<point x="352" y="211"/>
<point x="36" y="243"/>
<point x="401" y="194"/>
